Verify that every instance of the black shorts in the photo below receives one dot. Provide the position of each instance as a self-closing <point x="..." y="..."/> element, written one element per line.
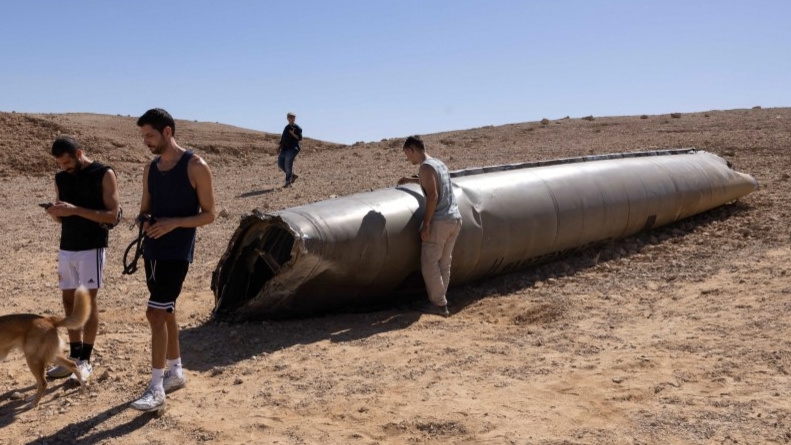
<point x="164" y="279"/>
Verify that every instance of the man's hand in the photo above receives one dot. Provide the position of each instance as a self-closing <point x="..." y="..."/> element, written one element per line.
<point x="425" y="231"/>
<point x="405" y="180"/>
<point x="61" y="209"/>
<point x="160" y="228"/>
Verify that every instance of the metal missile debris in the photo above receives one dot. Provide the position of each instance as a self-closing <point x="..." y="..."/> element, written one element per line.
<point x="365" y="248"/>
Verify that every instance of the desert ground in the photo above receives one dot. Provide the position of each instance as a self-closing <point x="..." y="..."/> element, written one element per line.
<point x="675" y="336"/>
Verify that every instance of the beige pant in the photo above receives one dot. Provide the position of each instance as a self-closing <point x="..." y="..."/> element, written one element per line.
<point x="435" y="258"/>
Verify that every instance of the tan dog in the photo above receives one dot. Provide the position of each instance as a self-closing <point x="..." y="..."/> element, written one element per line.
<point x="37" y="337"/>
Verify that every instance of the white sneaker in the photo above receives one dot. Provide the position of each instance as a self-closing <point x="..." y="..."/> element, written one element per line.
<point x="151" y="400"/>
<point x="173" y="383"/>
<point x="59" y="372"/>
<point x="85" y="368"/>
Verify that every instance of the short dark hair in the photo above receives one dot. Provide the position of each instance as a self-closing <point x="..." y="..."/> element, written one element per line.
<point x="158" y="119"/>
<point x="64" y="145"/>
<point x="414" y="142"/>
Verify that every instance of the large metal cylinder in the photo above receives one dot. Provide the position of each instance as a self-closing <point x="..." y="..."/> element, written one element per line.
<point x="365" y="248"/>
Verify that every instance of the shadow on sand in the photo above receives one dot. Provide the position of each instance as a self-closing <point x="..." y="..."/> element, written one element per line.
<point x="8" y="411"/>
<point x="220" y="344"/>
<point x="76" y="432"/>
<point x="255" y="193"/>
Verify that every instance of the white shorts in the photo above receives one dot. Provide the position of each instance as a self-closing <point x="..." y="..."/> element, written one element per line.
<point x="83" y="267"/>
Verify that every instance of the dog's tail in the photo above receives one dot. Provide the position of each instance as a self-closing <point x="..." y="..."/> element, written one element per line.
<point x="79" y="313"/>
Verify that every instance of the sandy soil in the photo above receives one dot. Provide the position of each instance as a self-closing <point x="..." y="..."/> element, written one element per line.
<point x="676" y="336"/>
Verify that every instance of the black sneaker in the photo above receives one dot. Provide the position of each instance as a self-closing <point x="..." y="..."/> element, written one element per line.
<point x="428" y="308"/>
<point x="294" y="178"/>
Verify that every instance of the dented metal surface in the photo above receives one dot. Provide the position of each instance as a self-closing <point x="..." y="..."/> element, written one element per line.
<point x="365" y="247"/>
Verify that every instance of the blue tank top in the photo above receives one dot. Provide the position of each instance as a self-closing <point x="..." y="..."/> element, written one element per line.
<point x="447" y="208"/>
<point x="172" y="195"/>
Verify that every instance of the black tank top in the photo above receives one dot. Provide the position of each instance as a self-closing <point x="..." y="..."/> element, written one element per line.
<point x="83" y="189"/>
<point x="172" y="195"/>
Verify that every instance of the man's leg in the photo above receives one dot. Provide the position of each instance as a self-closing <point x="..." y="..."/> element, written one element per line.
<point x="92" y="276"/>
<point x="89" y="331"/>
<point x="172" y="327"/>
<point x="69" y="281"/>
<point x="164" y="280"/>
<point x="162" y="300"/>
<point x="75" y="335"/>
<point x="165" y="352"/>
<point x="174" y="375"/>
<point x="90" y="270"/>
<point x="159" y="343"/>
<point x="289" y="164"/>
<point x="91" y="328"/>
<point x="293" y="176"/>
<point x="157" y="320"/>
<point x="454" y="228"/>
<point x="153" y="397"/>
<point x="430" y="254"/>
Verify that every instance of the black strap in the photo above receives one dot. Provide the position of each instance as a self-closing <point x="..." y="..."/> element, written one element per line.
<point x="130" y="268"/>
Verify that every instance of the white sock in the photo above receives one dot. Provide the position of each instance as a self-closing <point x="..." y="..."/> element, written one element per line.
<point x="174" y="366"/>
<point x="157" y="378"/>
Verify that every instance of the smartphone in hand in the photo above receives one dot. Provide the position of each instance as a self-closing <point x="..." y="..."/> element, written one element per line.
<point x="45" y="205"/>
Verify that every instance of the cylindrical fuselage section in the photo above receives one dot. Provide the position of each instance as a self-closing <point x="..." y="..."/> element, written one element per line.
<point x="365" y="247"/>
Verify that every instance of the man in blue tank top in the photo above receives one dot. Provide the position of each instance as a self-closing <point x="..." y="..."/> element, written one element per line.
<point x="178" y="197"/>
<point x="441" y="223"/>
<point x="86" y="205"/>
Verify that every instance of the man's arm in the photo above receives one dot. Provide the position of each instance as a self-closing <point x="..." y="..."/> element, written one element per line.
<point x="109" y="197"/>
<point x="203" y="182"/>
<point x="428" y="180"/>
<point x="297" y="132"/>
<point x="407" y="180"/>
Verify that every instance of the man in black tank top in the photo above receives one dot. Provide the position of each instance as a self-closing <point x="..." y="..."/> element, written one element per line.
<point x="178" y="197"/>
<point x="289" y="147"/>
<point x="86" y="204"/>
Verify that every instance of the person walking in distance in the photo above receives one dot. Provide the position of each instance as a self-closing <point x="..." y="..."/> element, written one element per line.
<point x="178" y="197"/>
<point x="86" y="206"/>
<point x="441" y="223"/>
<point x="289" y="148"/>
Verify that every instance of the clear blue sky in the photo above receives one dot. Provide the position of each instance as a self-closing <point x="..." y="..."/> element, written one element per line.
<point x="369" y="70"/>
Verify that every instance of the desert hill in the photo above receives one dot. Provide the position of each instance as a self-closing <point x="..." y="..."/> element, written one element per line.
<point x="25" y="140"/>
